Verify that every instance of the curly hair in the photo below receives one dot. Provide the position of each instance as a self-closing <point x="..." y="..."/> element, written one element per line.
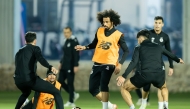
<point x="114" y="17"/>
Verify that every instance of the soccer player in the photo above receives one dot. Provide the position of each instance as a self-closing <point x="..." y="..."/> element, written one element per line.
<point x="25" y="76"/>
<point x="148" y="56"/>
<point x="161" y="38"/>
<point x="69" y="66"/>
<point x="44" y="100"/>
<point x="106" y="43"/>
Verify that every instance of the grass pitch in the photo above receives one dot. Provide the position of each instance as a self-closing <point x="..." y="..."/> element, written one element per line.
<point x="8" y="100"/>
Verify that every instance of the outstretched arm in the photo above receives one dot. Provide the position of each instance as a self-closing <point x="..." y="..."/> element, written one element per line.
<point x="131" y="66"/>
<point x="172" y="56"/>
<point x="43" y="61"/>
<point x="89" y="46"/>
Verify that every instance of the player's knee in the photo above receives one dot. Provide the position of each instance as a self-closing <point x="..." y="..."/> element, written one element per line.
<point x="104" y="89"/>
<point x="93" y="91"/>
<point x="146" y="88"/>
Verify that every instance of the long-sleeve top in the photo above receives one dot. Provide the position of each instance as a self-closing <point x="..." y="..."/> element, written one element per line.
<point x="70" y="55"/>
<point x="149" y="57"/>
<point x="163" y="40"/>
<point x="26" y="63"/>
<point x="121" y="43"/>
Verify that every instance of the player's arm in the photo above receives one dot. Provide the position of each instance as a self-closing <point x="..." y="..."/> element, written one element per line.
<point x="40" y="58"/>
<point x="170" y="55"/>
<point x="75" y="54"/>
<point x="60" y="63"/>
<point x="168" y="47"/>
<point x="89" y="46"/>
<point x="124" y="48"/>
<point x="133" y="63"/>
<point x="93" y="44"/>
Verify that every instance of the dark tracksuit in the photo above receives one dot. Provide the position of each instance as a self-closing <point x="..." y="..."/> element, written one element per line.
<point x="98" y="69"/>
<point x="68" y="62"/>
<point x="25" y="76"/>
<point x="149" y="57"/>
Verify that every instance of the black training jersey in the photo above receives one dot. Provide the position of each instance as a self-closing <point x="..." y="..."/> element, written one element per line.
<point x="150" y="57"/>
<point x="70" y="55"/>
<point x="163" y="40"/>
<point x="26" y="63"/>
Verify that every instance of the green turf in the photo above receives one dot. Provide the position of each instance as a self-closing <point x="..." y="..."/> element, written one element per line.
<point x="86" y="101"/>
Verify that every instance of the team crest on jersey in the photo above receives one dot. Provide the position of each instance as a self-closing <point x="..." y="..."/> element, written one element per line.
<point x="161" y="39"/>
<point x="68" y="45"/>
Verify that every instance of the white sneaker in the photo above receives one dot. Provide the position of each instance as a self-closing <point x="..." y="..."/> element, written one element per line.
<point x="139" y="102"/>
<point x="76" y="96"/>
<point x="69" y="104"/>
<point x="143" y="106"/>
<point x="114" y="106"/>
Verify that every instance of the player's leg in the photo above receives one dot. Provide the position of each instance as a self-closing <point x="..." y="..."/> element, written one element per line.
<point x="106" y="73"/>
<point x="61" y="79"/>
<point x="70" y="83"/>
<point x="160" y="98"/>
<point x="145" y="94"/>
<point x="29" y="105"/>
<point x="25" y="93"/>
<point x="40" y="85"/>
<point x="161" y="84"/>
<point x="125" y="89"/>
<point x="164" y="93"/>
<point x="94" y="82"/>
<point x="139" y="94"/>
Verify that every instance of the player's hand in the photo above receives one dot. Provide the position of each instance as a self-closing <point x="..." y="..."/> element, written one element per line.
<point x="171" y="71"/>
<point x="181" y="61"/>
<point x="76" y="68"/>
<point x="80" y="47"/>
<point x="120" y="81"/>
<point x="117" y="69"/>
<point x="54" y="70"/>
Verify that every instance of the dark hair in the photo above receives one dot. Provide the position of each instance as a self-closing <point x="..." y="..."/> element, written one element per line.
<point x="144" y="33"/>
<point x="114" y="17"/>
<point x="30" y="37"/>
<point x="159" y="18"/>
<point x="68" y="28"/>
<point x="49" y="72"/>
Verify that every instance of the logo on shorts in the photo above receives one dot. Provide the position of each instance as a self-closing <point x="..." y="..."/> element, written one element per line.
<point x="105" y="45"/>
<point x="91" y="72"/>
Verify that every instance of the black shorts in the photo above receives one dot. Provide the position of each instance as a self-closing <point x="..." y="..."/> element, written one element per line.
<point x="142" y="79"/>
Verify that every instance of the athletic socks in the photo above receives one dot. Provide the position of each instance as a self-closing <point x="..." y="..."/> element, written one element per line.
<point x="132" y="106"/>
<point x="166" y="104"/>
<point x="105" y="105"/>
<point x="160" y="105"/>
<point x="144" y="101"/>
